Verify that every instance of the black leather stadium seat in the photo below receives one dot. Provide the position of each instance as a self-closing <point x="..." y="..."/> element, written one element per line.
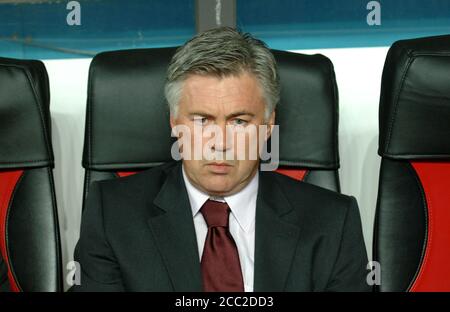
<point x="127" y="121"/>
<point x="29" y="234"/>
<point x="412" y="227"/>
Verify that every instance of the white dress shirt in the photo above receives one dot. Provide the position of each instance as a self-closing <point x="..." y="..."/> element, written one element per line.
<point x="241" y="223"/>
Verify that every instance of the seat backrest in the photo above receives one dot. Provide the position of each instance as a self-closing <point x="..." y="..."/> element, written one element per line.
<point x="29" y="233"/>
<point x="127" y="121"/>
<point x="412" y="226"/>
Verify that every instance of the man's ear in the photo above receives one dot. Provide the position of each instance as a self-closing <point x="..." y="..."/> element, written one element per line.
<point x="172" y="126"/>
<point x="270" y="124"/>
<point x="172" y="121"/>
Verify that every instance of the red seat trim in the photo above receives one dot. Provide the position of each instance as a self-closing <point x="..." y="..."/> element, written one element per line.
<point x="434" y="273"/>
<point x="126" y="173"/>
<point x="8" y="182"/>
<point x="295" y="173"/>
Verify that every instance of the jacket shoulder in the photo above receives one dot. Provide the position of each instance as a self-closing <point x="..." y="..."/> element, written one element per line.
<point x="319" y="205"/>
<point x="155" y="175"/>
<point x="294" y="188"/>
<point x="146" y="183"/>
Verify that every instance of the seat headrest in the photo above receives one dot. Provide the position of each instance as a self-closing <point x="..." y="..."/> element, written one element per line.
<point x="308" y="112"/>
<point x="25" y="139"/>
<point x="127" y="120"/>
<point x="127" y="123"/>
<point x="414" y="115"/>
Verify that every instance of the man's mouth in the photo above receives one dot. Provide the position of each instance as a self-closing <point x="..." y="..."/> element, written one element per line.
<point x="219" y="167"/>
<point x="220" y="164"/>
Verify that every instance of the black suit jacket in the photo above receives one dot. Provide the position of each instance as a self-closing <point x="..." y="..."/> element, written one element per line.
<point x="137" y="234"/>
<point x="4" y="284"/>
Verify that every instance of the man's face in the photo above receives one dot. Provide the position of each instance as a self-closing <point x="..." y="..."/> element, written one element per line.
<point x="234" y="105"/>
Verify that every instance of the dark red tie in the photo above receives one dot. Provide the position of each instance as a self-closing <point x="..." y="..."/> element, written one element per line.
<point x="221" y="269"/>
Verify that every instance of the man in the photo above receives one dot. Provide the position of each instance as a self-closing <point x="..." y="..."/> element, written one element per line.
<point x="218" y="223"/>
<point x="4" y="284"/>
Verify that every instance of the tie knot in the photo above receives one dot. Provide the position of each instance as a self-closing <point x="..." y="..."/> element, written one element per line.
<point x="215" y="213"/>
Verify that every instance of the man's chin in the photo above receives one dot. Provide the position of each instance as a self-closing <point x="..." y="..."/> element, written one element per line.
<point x="217" y="188"/>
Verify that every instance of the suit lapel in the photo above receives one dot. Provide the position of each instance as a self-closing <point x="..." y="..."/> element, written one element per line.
<point x="173" y="229"/>
<point x="276" y="236"/>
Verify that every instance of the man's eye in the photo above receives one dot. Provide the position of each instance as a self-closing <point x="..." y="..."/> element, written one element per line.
<point x="240" y="122"/>
<point x="201" y="121"/>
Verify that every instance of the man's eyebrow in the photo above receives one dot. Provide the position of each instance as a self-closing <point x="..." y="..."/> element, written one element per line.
<point x="203" y="114"/>
<point x="235" y="114"/>
<point x="240" y="113"/>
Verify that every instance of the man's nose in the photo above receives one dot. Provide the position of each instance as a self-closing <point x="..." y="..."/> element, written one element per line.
<point x="224" y="141"/>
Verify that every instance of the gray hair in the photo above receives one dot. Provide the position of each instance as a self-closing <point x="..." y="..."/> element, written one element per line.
<point x="222" y="52"/>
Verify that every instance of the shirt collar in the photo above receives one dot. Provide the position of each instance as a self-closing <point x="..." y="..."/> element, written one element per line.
<point x="196" y="197"/>
<point x="242" y="204"/>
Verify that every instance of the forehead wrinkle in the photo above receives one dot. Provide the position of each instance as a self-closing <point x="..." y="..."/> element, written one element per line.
<point x="213" y="95"/>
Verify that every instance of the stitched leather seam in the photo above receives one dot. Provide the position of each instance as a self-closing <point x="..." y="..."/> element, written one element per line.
<point x="396" y="99"/>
